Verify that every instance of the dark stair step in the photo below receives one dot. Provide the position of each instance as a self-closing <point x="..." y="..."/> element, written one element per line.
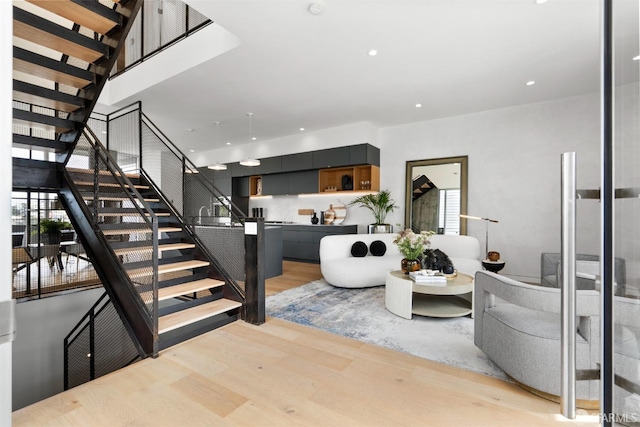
<point x="56" y="124"/>
<point x="60" y="72"/>
<point x="28" y="142"/>
<point x="186" y="317"/>
<point x="38" y="95"/>
<point x="90" y="14"/>
<point x="45" y="33"/>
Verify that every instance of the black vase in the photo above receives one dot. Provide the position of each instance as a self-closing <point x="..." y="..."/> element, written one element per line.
<point x="314" y="219"/>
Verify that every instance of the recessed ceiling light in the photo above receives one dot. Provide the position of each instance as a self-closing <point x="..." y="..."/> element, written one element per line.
<point x="228" y="143"/>
<point x="192" y="151"/>
<point x="189" y="130"/>
<point x="104" y="131"/>
<point x="637" y="58"/>
<point x="301" y="128"/>
<point x="373" y="52"/>
<point x="531" y="82"/>
<point x="253" y="138"/>
<point x="541" y="1"/>
<point x="418" y="105"/>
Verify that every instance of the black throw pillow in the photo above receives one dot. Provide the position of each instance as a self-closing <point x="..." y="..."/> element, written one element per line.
<point x="359" y="249"/>
<point x="377" y="248"/>
<point x="435" y="259"/>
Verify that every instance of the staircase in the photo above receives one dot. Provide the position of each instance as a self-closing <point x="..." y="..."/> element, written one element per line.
<point x="162" y="282"/>
<point x="189" y="288"/>
<point x="421" y="186"/>
<point x="62" y="54"/>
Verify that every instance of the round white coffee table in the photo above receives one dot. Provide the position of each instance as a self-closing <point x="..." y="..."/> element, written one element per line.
<point x="405" y="297"/>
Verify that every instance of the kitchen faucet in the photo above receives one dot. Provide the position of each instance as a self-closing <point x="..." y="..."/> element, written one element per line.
<point x="200" y="214"/>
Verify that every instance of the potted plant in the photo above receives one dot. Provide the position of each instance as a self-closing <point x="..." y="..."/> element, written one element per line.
<point x="411" y="245"/>
<point x="380" y="205"/>
<point x="50" y="230"/>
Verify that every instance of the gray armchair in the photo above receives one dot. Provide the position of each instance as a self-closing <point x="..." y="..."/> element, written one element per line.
<point x="585" y="265"/>
<point x="517" y="326"/>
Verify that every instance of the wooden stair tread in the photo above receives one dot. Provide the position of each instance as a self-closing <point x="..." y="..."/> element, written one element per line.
<point x="188" y="288"/>
<point x="59" y="44"/>
<point x="164" y="214"/>
<point x="185" y="317"/>
<point x="161" y="248"/>
<point x="49" y="74"/>
<point x="117" y="198"/>
<point x="111" y="184"/>
<point x="115" y="232"/>
<point x="130" y="175"/>
<point x="169" y="268"/>
<point x="101" y="22"/>
<point x="42" y="101"/>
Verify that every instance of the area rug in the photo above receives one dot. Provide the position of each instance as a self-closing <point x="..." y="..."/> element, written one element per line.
<point x="360" y="314"/>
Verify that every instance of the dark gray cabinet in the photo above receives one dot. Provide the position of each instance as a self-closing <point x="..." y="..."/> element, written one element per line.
<point x="240" y="186"/>
<point x="297" y="162"/>
<point x="364" y="154"/>
<point x="268" y="165"/>
<point x="331" y="158"/>
<point x="304" y="182"/>
<point x="302" y="242"/>
<point x="223" y="185"/>
<point x="275" y="184"/>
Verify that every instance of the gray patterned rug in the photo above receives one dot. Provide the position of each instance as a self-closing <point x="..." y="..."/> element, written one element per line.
<point x="360" y="314"/>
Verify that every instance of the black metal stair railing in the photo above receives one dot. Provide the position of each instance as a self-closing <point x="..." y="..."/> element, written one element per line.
<point x="139" y="145"/>
<point x="99" y="344"/>
<point x="94" y="189"/>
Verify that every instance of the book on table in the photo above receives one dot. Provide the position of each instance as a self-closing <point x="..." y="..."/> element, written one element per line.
<point x="435" y="280"/>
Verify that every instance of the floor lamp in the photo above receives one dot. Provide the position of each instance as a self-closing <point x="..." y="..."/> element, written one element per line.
<point x="486" y="233"/>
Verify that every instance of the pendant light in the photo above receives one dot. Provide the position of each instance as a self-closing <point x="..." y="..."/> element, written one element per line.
<point x="249" y="161"/>
<point x="218" y="166"/>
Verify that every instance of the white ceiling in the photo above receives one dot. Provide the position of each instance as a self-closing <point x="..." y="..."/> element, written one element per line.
<point x="294" y="69"/>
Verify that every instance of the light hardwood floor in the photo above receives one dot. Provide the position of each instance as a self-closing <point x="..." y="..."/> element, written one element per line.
<point x="293" y="274"/>
<point x="284" y="374"/>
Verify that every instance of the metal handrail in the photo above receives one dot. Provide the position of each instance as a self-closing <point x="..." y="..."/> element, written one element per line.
<point x="240" y="216"/>
<point x="147" y="215"/>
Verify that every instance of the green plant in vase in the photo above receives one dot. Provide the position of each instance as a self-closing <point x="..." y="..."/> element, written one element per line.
<point x="380" y="204"/>
<point x="411" y="245"/>
<point x="50" y="230"/>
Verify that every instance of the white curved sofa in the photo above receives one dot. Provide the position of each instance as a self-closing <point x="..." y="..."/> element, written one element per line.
<point x="340" y="268"/>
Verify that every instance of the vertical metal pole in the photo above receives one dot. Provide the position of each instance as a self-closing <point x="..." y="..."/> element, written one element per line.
<point x="154" y="230"/>
<point x="92" y="345"/>
<point x="568" y="292"/>
<point x="606" y="216"/>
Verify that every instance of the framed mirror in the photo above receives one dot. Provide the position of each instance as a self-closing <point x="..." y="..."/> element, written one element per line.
<point x="436" y="195"/>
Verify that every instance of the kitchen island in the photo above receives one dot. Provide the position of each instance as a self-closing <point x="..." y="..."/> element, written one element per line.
<point x="226" y="243"/>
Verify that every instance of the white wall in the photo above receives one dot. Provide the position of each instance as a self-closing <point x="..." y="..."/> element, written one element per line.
<point x="38" y="351"/>
<point x="514" y="172"/>
<point x="6" y="113"/>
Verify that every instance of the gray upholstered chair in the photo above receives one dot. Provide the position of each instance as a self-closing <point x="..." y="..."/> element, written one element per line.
<point x="517" y="326"/>
<point x="586" y="267"/>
